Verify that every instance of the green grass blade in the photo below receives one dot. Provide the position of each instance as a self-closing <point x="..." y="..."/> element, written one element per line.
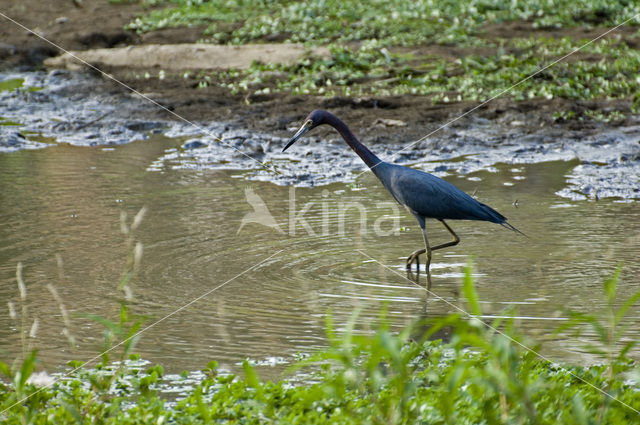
<point x="470" y="292"/>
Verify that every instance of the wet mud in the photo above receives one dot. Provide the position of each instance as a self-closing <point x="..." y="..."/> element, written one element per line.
<point x="83" y="109"/>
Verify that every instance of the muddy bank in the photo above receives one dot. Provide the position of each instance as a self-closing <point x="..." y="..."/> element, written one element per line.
<point x="74" y="26"/>
<point x="69" y="24"/>
<point x="247" y="130"/>
<point x="82" y="109"/>
<point x="65" y="107"/>
<point x="184" y="57"/>
<point x="609" y="158"/>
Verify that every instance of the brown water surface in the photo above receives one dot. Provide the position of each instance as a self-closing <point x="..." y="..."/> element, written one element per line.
<point x="67" y="201"/>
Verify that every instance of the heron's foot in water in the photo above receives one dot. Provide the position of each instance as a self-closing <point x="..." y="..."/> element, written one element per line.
<point x="415" y="257"/>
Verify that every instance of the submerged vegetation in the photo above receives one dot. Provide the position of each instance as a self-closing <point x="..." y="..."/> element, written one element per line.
<point x="451" y="51"/>
<point x="483" y="373"/>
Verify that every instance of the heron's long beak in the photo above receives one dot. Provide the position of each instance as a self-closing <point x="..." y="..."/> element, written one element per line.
<point x="305" y="127"/>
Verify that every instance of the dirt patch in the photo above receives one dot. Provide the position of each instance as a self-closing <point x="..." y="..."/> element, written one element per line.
<point x="94" y="24"/>
<point x="173" y="35"/>
<point x="186" y="57"/>
<point x="525" y="29"/>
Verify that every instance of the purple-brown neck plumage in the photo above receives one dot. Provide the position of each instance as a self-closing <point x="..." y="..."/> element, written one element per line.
<point x="324" y="117"/>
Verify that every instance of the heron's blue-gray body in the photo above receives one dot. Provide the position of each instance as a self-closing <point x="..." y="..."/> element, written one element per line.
<point x="428" y="196"/>
<point x="423" y="194"/>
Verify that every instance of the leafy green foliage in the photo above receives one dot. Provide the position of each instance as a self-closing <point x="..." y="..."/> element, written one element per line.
<point x="385" y="48"/>
<point x="395" y="22"/>
<point x="372" y="70"/>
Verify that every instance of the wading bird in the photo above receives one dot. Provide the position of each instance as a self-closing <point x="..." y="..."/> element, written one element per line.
<point x="423" y="194"/>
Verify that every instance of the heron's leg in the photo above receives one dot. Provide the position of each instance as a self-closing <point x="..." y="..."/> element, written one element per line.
<point x="454" y="242"/>
<point x="415" y="257"/>
<point x="415" y="278"/>
<point x="428" y="249"/>
<point x="416" y="254"/>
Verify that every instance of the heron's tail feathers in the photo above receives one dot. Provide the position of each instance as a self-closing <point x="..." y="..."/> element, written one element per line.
<point x="510" y="227"/>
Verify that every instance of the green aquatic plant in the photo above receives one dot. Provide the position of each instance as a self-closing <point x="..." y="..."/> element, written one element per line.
<point x="11" y="84"/>
<point x="17" y="84"/>
<point x="373" y="70"/>
<point x="393" y="22"/>
<point x="386" y="48"/>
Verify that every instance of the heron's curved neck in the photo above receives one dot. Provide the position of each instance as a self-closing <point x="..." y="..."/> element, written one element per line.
<point x="363" y="152"/>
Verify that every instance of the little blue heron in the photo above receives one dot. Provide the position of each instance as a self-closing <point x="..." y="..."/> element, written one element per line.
<point x="423" y="194"/>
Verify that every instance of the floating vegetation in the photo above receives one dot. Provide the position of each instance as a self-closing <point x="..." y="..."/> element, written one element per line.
<point x="11" y="84"/>
<point x="17" y="84"/>
<point x="394" y="23"/>
<point x="386" y="48"/>
<point x="373" y="70"/>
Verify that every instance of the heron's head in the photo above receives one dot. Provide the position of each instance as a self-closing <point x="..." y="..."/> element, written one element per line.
<point x="314" y="119"/>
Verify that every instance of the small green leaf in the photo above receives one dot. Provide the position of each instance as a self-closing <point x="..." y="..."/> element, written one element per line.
<point x="5" y="370"/>
<point x="611" y="284"/>
<point x="28" y="366"/>
<point x="250" y="374"/>
<point x="12" y="84"/>
<point x="625" y="307"/>
<point x="470" y="292"/>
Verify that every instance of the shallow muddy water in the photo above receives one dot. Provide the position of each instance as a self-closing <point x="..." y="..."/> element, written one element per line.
<point x="67" y="201"/>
